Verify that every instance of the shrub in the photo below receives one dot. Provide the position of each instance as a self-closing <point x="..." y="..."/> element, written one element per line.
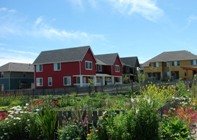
<point x="70" y="132"/>
<point x="47" y="120"/>
<point x="146" y="120"/>
<point x="117" y="127"/>
<point x="159" y="95"/>
<point x="19" y="128"/>
<point x="173" y="128"/>
<point x="182" y="90"/>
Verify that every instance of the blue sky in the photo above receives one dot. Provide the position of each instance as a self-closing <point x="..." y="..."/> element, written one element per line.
<point x="142" y="28"/>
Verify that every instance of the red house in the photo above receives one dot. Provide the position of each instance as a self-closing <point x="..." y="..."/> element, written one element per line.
<point x="64" y="67"/>
<point x="109" y="69"/>
<point x="76" y="67"/>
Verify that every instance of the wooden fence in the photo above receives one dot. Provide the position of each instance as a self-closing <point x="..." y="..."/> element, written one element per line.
<point x="73" y="89"/>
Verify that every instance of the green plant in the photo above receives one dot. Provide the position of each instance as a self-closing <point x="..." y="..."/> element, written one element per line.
<point x="20" y="127"/>
<point x="194" y="86"/>
<point x="70" y="132"/>
<point x="47" y="120"/>
<point x="182" y="90"/>
<point x="146" y="120"/>
<point x="159" y="95"/>
<point x="173" y="128"/>
<point x="117" y="127"/>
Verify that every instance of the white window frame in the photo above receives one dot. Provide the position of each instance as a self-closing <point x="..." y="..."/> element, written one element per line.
<point x="68" y="78"/>
<point x="55" y="66"/>
<point x="39" y="68"/>
<point x="157" y="64"/>
<point x="88" y="65"/>
<point x="117" y="68"/>
<point x="50" y="80"/>
<point x="99" y="68"/>
<point x="176" y="63"/>
<point x="39" y="84"/>
<point x="194" y="62"/>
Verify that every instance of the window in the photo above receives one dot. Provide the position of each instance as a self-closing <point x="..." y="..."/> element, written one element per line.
<point x="67" y="80"/>
<point x="117" y="68"/>
<point x="88" y="65"/>
<point x="194" y="62"/>
<point x="168" y="64"/>
<point x="50" y="81"/>
<point x="57" y="66"/>
<point x="1" y="74"/>
<point x="77" y="80"/>
<point x="157" y="64"/>
<point x="39" y="68"/>
<point x="99" y="68"/>
<point x="39" y="82"/>
<point x="175" y="63"/>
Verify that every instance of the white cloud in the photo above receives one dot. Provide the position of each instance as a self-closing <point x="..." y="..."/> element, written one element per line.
<point x="11" y="55"/>
<point x="191" y="19"/>
<point x="38" y="21"/>
<point x="146" y="8"/>
<point x="41" y="28"/>
<point x="4" y="9"/>
<point x="77" y="3"/>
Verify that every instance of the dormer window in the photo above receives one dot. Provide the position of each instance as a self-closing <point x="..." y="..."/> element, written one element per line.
<point x="88" y="65"/>
<point x="39" y="68"/>
<point x="117" y="68"/>
<point x="57" y="66"/>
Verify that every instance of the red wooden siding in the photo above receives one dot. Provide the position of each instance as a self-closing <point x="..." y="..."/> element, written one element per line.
<point x="88" y="57"/>
<point x="117" y="62"/>
<point x="67" y="69"/>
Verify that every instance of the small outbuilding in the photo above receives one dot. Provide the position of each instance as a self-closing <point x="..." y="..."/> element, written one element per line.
<point x="16" y="76"/>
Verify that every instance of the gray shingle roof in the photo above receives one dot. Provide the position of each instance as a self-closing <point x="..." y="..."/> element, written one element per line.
<point x="172" y="56"/>
<point x="130" y="61"/>
<point x="62" y="55"/>
<point x="99" y="62"/>
<point x="108" y="59"/>
<point x="17" y="67"/>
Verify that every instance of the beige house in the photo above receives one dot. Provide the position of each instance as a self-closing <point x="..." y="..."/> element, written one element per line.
<point x="171" y="66"/>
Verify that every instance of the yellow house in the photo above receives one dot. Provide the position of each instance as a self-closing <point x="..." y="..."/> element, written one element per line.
<point x="171" y="66"/>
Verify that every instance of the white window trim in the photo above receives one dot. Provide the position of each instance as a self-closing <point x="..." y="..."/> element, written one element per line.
<point x="38" y="70"/>
<point x="41" y="84"/>
<point x="91" y="65"/>
<point x="194" y="62"/>
<point x="157" y="64"/>
<point x="117" y="66"/>
<point x="54" y="68"/>
<point x="70" y="80"/>
<point x="51" y="81"/>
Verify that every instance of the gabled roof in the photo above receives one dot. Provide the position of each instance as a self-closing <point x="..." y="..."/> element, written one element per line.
<point x="172" y="56"/>
<point x="99" y="62"/>
<point x="62" y="55"/>
<point x="108" y="59"/>
<point x="130" y="61"/>
<point x="17" y="67"/>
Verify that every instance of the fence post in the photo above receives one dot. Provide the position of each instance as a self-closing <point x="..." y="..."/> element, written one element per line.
<point x="94" y="118"/>
<point x="59" y="118"/>
<point x="131" y="87"/>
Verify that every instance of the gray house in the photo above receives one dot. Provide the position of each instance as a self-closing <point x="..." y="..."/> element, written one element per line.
<point x="130" y="66"/>
<point x="16" y="76"/>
